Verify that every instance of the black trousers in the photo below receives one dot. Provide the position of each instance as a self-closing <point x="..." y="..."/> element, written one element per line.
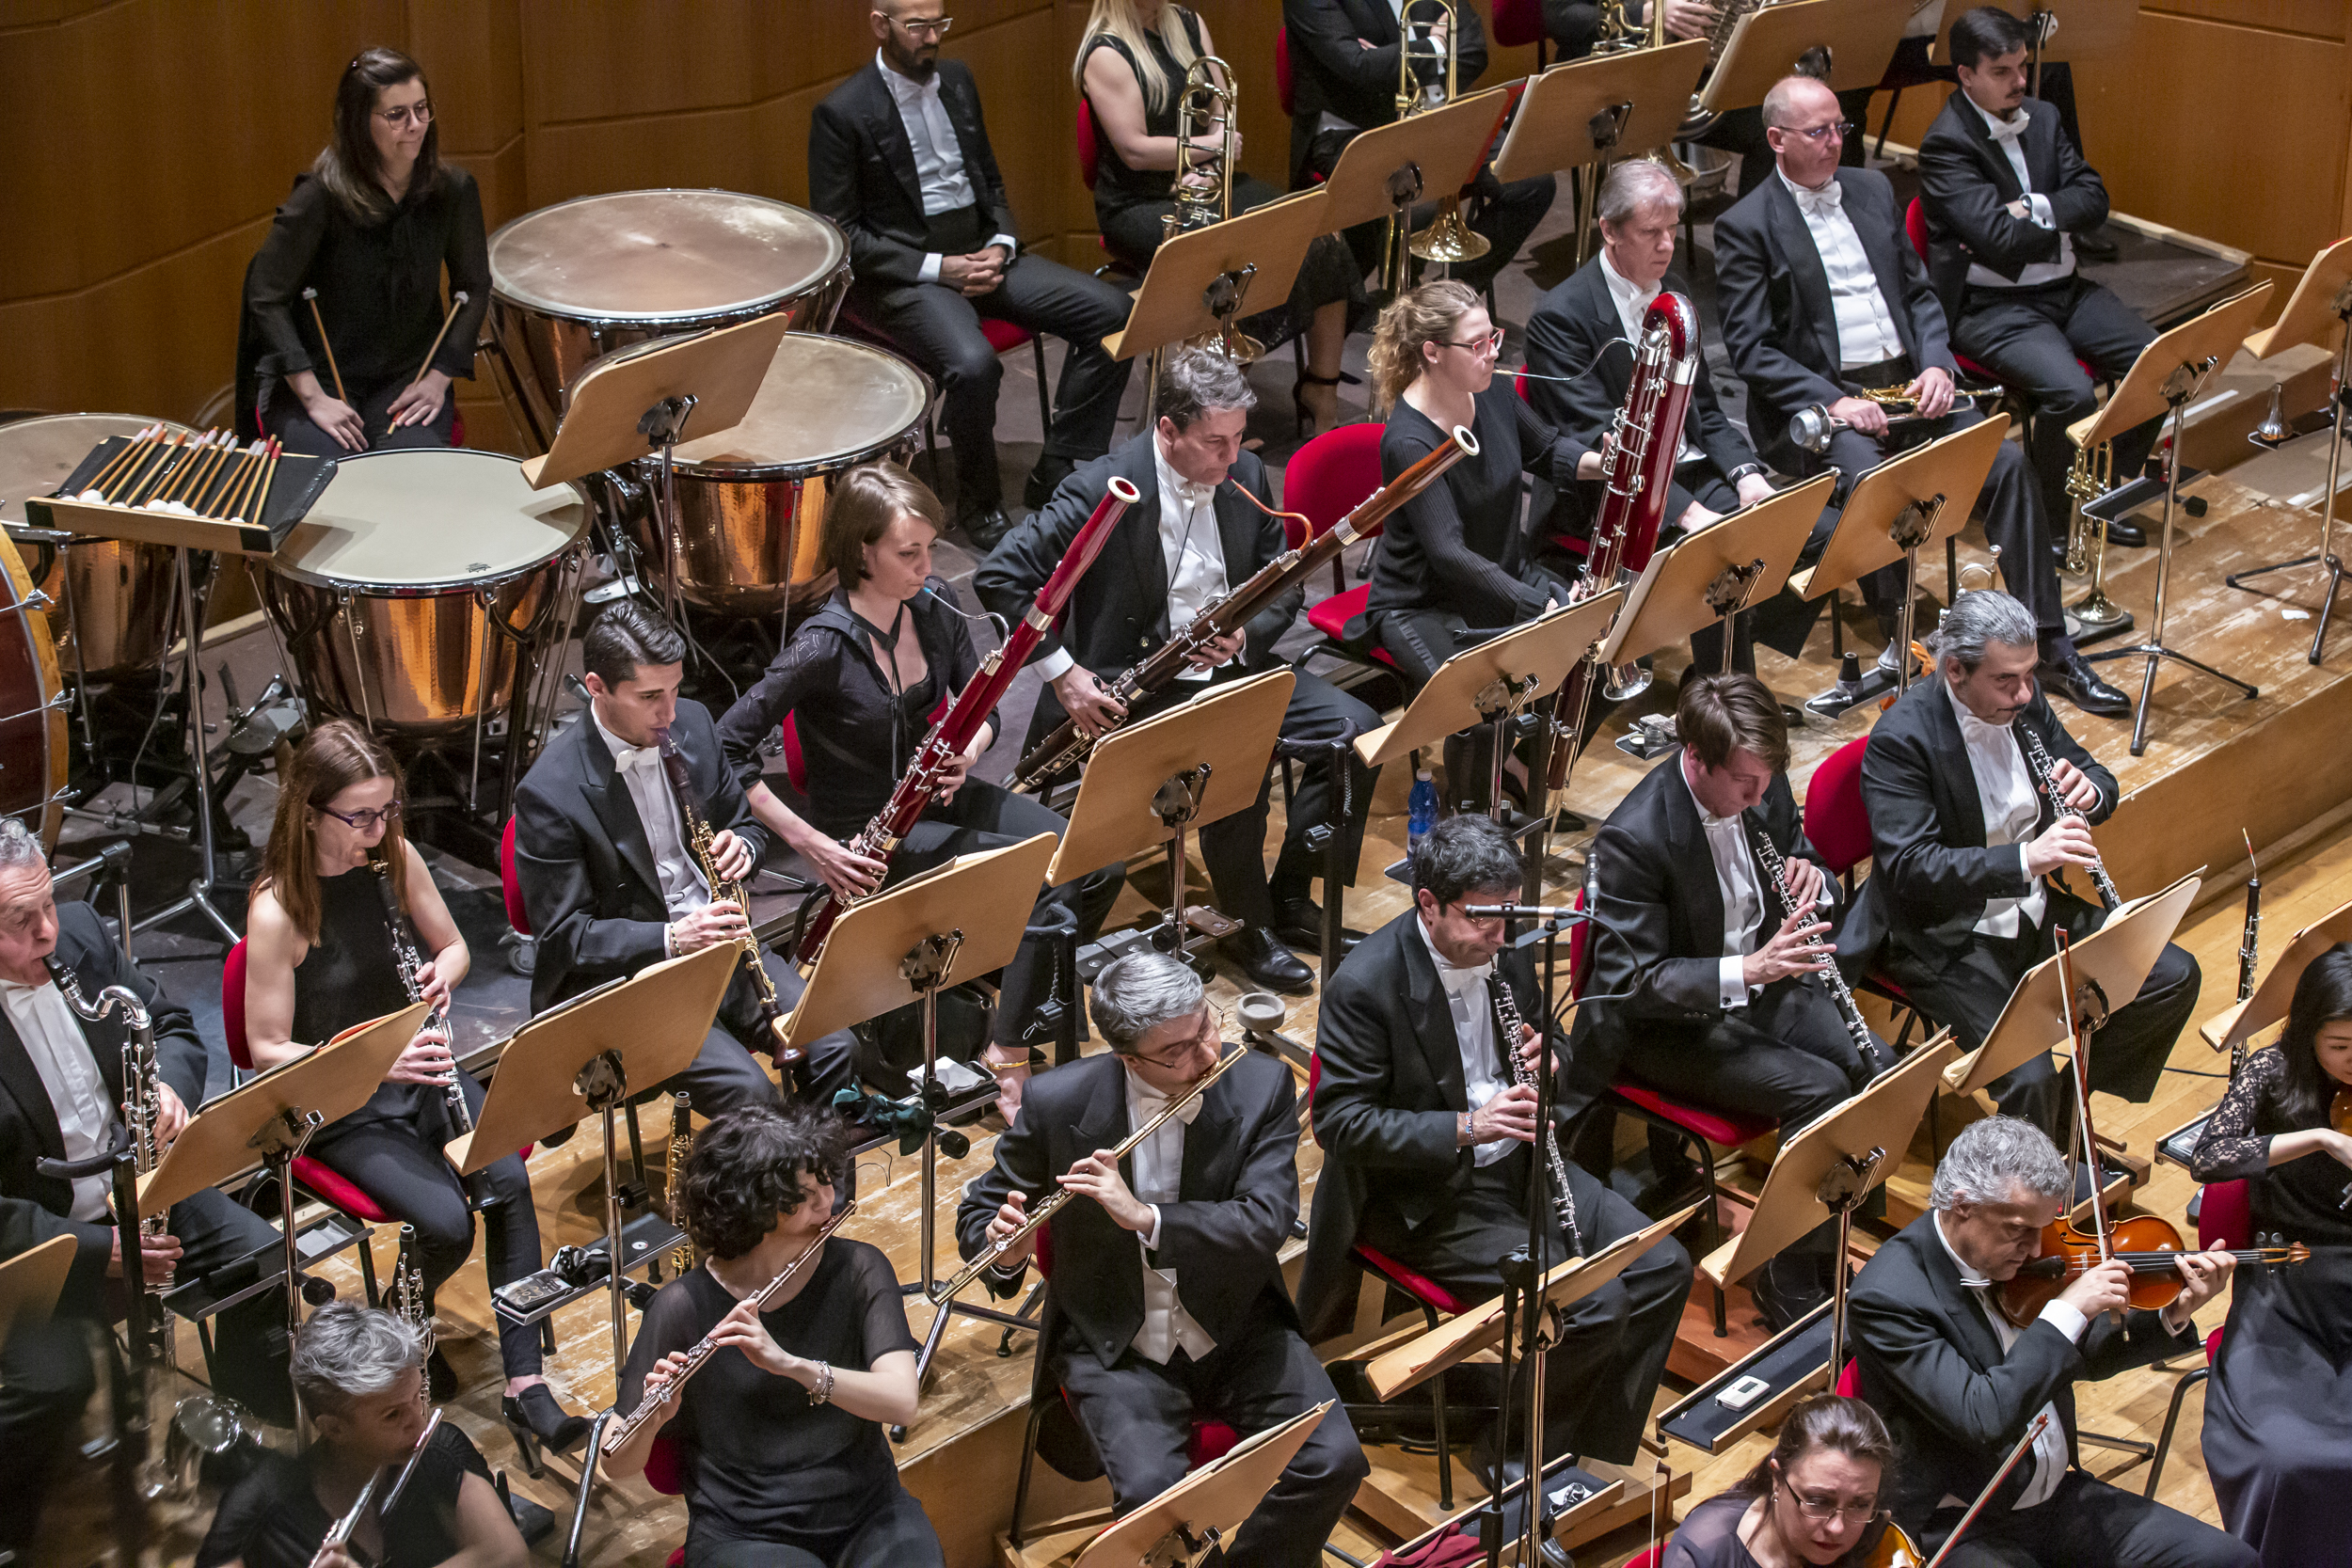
<point x="401" y="1166"/>
<point x="984" y="817"/>
<point x="2089" y="1524"/>
<point x="1599" y="1379"/>
<point x="940" y="330"/>
<point x="728" y="1073"/>
<point x="1139" y="1414"/>
<point x="283" y="416"/>
<point x="2034" y="341"/>
<point x="1694" y="479"/>
<point x="1330" y="275"/>
<point x="1969" y="989"/>
<point x="896" y="1534"/>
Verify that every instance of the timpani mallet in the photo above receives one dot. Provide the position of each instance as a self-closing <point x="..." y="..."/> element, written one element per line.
<point x="456" y="303"/>
<point x="222" y="442"/>
<point x="311" y="297"/>
<point x="118" y="462"/>
<point x="220" y="482"/>
<point x="199" y="449"/>
<point x="269" y="476"/>
<point x="150" y="483"/>
<point x="128" y="479"/>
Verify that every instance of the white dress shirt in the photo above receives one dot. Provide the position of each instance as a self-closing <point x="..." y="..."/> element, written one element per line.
<point x="1632" y="300"/>
<point x="2006" y="794"/>
<point x="87" y="1120"/>
<point x="2049" y="1450"/>
<point x="1159" y="1171"/>
<point x="1866" y="334"/>
<point x="683" y="890"/>
<point x="1741" y="888"/>
<point x="1191" y="549"/>
<point x="2007" y="135"/>
<point x="938" y="155"/>
<point x="1484" y="1075"/>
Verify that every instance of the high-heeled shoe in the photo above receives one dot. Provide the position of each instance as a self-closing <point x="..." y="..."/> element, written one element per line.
<point x="537" y="1422"/>
<point x="1308" y="419"/>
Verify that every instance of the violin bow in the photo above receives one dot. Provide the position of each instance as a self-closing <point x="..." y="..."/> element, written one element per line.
<point x="2081" y="1072"/>
<point x="2032" y="1432"/>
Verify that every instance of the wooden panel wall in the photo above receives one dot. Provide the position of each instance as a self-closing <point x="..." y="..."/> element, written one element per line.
<point x="148" y="140"/>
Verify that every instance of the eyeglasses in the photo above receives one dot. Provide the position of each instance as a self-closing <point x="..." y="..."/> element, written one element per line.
<point x="1843" y="127"/>
<point x="926" y="27"/>
<point x="1490" y="343"/>
<point x="1821" y="1509"/>
<point x="1212" y="1028"/>
<point x="419" y="114"/>
<point x="366" y="821"/>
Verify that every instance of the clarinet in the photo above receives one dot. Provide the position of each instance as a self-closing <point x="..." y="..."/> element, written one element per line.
<point x="1776" y="870"/>
<point x="142" y="1087"/>
<point x="681" y="1145"/>
<point x="408" y="1290"/>
<point x="412" y="964"/>
<point x="1563" y="1200"/>
<point x="2039" y="755"/>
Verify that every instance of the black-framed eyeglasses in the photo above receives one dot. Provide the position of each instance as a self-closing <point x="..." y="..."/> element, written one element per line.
<point x="1822" y="1508"/>
<point x="1490" y="343"/>
<point x="364" y="820"/>
<point x="419" y="114"/>
<point x="926" y="26"/>
<point x="1815" y="132"/>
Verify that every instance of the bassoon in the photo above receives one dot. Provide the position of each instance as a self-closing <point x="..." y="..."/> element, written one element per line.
<point x="880" y="838"/>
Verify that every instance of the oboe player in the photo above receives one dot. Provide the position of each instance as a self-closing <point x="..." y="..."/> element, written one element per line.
<point x="1726" y="1000"/>
<point x="1168" y="1298"/>
<point x="319" y="958"/>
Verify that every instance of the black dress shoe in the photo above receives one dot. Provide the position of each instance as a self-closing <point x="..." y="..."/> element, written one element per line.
<point x="1265" y="960"/>
<point x="1786" y="1289"/>
<point x="2073" y="680"/>
<point x="1045" y="480"/>
<point x="2130" y="535"/>
<point x="985" y="527"/>
<point x="1299" y="923"/>
<point x="537" y="1423"/>
<point x="2094" y="244"/>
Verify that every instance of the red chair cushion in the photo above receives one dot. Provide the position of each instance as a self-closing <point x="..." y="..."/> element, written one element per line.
<point x="664" y="1473"/>
<point x="1915" y="225"/>
<point x="1331" y="617"/>
<point x="232" y="1003"/>
<point x="676" y="1558"/>
<point x="2213" y="1346"/>
<point x="1834" y="818"/>
<point x="1002" y="334"/>
<point x="1850" y="1380"/>
<point x="1330" y="475"/>
<point x="1282" y="70"/>
<point x="337" y="1192"/>
<point x="795" y="762"/>
<point x="1419" y="1286"/>
<point x="1716" y="1126"/>
<point x="509" y="884"/>
<point x="1084" y="127"/>
<point x="2225" y="1217"/>
<point x="1517" y="23"/>
<point x="1211" y="1440"/>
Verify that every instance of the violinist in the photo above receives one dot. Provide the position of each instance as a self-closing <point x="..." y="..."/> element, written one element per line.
<point x="2278" y="1435"/>
<point x="1815" y="1499"/>
<point x="1958" y="1381"/>
<point x="861" y="680"/>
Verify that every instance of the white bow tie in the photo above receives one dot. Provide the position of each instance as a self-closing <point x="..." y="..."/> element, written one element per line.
<point x="1151" y="1102"/>
<point x="1460" y="982"/>
<point x="1194" y="496"/>
<point x="1827" y="199"/>
<point x="647" y="757"/>
<point x="2007" y="130"/>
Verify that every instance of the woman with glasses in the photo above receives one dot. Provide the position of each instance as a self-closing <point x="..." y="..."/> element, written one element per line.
<point x="1814" y="1499"/>
<point x="357" y="256"/>
<point x="319" y="958"/>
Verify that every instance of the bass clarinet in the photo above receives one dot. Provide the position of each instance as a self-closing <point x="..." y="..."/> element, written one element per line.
<point x="2047" y="770"/>
<point x="1507" y="1010"/>
<point x="411" y="965"/>
<point x="879" y="839"/>
<point x="142" y="1092"/>
<point x="1776" y="870"/>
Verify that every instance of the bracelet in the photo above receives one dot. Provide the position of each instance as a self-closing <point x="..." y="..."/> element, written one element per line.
<point x="822" y="1393"/>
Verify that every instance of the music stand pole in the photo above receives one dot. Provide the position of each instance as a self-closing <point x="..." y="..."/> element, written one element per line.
<point x="2330" y="563"/>
<point x="1843" y="1187"/>
<point x="279" y="1140"/>
<point x="199" y="891"/>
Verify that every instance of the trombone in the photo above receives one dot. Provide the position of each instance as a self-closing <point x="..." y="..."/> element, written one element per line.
<point x="1447" y="239"/>
<point x="1207" y="114"/>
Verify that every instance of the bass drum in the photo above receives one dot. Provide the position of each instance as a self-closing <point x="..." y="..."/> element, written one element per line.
<point x="33" y="703"/>
<point x="109" y="600"/>
<point x="751" y="502"/>
<point x="420" y="584"/>
<point x="579" y="280"/>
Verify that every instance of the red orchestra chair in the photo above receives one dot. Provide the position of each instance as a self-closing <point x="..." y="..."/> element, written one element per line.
<point x="1838" y="824"/>
<point x="2225" y="1221"/>
<point x="1327" y="479"/>
<point x="1519" y="23"/>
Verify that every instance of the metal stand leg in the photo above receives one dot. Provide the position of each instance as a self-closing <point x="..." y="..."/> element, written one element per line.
<point x="199" y="891"/>
<point x="2325" y="556"/>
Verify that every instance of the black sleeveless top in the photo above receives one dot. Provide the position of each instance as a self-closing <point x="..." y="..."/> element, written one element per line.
<point x="1112" y="177"/>
<point x="349" y="976"/>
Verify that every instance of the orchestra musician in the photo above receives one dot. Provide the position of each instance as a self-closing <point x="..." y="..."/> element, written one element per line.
<point x="1958" y="1383"/>
<point x="1814" y="1499"/>
<point x="1427" y="1137"/>
<point x="2003" y="191"/>
<point x="370" y="227"/>
<point x="1131" y="67"/>
<point x="888" y="648"/>
<point x="611" y="884"/>
<point x="63" y="1100"/>
<point x="1167" y="1298"/>
<point x="1575" y="25"/>
<point x="898" y="156"/>
<point x="2278" y="1435"/>
<point x="1724" y="1004"/>
<point x="1344" y="76"/>
<point x="319" y="960"/>
<point x="1964" y="846"/>
<point x="779" y="1432"/>
<point x="1822" y="297"/>
<point x="361" y="1373"/>
<point x="1202" y="525"/>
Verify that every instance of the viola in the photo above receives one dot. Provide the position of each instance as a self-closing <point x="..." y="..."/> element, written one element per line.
<point x="1892" y="1549"/>
<point x="2148" y="1244"/>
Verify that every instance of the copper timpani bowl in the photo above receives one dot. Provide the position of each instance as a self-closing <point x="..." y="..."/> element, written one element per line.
<point x="109" y="600"/>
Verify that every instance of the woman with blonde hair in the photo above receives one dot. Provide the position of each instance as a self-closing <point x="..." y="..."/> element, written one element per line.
<point x="319" y="958"/>
<point x="1133" y="58"/>
<point x="862" y="679"/>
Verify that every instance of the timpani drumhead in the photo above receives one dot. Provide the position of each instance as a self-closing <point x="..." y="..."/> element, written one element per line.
<point x="666" y="255"/>
<point x="825" y="402"/>
<point x="36" y="455"/>
<point x="424" y="522"/>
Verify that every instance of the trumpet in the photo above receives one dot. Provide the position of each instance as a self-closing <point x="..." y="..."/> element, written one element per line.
<point x="1810" y="428"/>
<point x="1447" y="240"/>
<point x="2091" y="477"/>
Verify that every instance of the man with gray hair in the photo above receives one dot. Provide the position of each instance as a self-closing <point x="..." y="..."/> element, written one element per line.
<point x="1203" y="526"/>
<point x="1168" y="1299"/>
<point x="1967" y="843"/>
<point x="1959" y="1372"/>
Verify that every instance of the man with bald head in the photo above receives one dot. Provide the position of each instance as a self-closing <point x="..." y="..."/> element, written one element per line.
<point x="1823" y="297"/>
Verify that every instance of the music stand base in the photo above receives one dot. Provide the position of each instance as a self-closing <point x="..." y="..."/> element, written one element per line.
<point x="2331" y="568"/>
<point x="2154" y="652"/>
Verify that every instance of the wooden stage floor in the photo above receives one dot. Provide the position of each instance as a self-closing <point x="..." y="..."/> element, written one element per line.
<point x="2276" y="767"/>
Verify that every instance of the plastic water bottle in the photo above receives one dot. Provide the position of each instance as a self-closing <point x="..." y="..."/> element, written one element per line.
<point x="1422" y="810"/>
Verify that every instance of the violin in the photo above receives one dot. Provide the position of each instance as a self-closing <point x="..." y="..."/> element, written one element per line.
<point x="2147" y="1243"/>
<point x="1892" y="1549"/>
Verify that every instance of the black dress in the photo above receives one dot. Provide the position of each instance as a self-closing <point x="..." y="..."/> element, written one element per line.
<point x="379" y="294"/>
<point x="390" y="1148"/>
<point x="2278" y="1430"/>
<point x="761" y="1465"/>
<point x="273" y="1519"/>
<point x="1709" y="1537"/>
<point x="1130" y="203"/>
<point x="859" y="731"/>
<point x="1456" y="555"/>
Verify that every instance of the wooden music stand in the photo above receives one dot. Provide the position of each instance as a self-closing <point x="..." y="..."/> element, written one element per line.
<point x="1704" y="578"/>
<point x="2322" y="303"/>
<point x="30" y="1283"/>
<point x="1859" y="36"/>
<point x="1207" y="1506"/>
<point x="716" y="373"/>
<point x="1582" y="111"/>
<point x="1897" y="510"/>
<point x="1497" y="678"/>
<point x="2238" y="1024"/>
<point x="1261" y="249"/>
<point x="2076" y="30"/>
<point x="1443" y="147"/>
<point x="2311" y="310"/>
<point x="1158" y="782"/>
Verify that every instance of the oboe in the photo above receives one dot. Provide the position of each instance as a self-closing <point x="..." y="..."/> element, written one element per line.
<point x="411" y="965"/>
<point x="2249" y="942"/>
<point x="681" y="1145"/>
<point x="1563" y="1200"/>
<point x="2039" y="755"/>
<point x="1777" y="870"/>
